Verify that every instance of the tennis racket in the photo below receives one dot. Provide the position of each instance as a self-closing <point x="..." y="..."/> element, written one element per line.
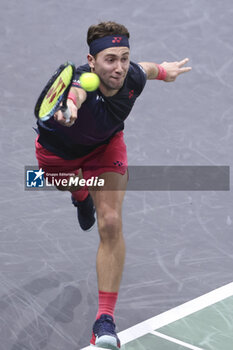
<point x="55" y="92"/>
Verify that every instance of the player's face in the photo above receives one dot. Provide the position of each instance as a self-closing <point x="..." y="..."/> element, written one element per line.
<point x="111" y="65"/>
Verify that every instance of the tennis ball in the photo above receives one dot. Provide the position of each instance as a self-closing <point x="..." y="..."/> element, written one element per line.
<point x="89" y="81"/>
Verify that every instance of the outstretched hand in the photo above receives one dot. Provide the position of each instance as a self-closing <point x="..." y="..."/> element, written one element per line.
<point x="60" y="118"/>
<point x="174" y="69"/>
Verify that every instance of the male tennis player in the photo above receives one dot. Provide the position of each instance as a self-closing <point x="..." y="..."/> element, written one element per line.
<point x="93" y="141"/>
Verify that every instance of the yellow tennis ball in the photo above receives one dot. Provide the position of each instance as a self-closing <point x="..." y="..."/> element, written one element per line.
<point x="89" y="81"/>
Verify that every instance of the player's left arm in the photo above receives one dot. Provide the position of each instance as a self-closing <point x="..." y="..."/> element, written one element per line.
<point x="169" y="70"/>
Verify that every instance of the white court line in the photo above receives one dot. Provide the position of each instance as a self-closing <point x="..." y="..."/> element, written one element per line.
<point x="176" y="341"/>
<point x="94" y="348"/>
<point x="188" y="308"/>
<point x="176" y="313"/>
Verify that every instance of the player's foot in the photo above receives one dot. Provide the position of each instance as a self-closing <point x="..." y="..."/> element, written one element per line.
<point x="85" y="212"/>
<point x="104" y="334"/>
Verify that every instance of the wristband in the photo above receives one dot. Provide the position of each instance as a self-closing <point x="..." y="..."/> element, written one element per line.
<point x="162" y="72"/>
<point x="72" y="97"/>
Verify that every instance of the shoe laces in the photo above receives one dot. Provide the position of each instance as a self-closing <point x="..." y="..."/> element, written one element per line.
<point x="105" y="324"/>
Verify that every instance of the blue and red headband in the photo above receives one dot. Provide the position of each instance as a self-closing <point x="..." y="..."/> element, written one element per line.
<point x="106" y="42"/>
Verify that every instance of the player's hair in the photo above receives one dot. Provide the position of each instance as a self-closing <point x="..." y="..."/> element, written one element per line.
<point x="104" y="29"/>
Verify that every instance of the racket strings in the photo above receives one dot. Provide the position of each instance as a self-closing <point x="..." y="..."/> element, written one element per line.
<point x="54" y="96"/>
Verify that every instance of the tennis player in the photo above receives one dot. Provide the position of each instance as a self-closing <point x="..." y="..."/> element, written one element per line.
<point x="92" y="145"/>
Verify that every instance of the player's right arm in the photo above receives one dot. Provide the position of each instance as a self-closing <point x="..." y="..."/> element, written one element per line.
<point x="81" y="96"/>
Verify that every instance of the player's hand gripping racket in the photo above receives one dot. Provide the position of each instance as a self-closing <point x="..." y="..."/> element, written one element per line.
<point x="55" y="93"/>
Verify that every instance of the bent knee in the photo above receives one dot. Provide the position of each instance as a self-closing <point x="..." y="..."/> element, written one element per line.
<point x="110" y="225"/>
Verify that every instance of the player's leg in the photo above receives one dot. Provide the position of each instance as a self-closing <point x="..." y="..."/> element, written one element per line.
<point x="111" y="166"/>
<point x="111" y="253"/>
<point x="81" y="199"/>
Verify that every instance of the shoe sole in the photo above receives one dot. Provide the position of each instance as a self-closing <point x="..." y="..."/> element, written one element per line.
<point x="107" y="342"/>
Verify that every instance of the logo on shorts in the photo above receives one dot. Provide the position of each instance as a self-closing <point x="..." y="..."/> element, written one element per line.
<point x="118" y="163"/>
<point x="35" y="178"/>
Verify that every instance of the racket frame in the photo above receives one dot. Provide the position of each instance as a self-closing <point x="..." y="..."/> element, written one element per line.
<point x="61" y="99"/>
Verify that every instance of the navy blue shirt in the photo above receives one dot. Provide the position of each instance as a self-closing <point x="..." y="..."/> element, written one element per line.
<point x="99" y="117"/>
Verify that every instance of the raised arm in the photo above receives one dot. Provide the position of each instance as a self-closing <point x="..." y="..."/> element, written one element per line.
<point x="167" y="71"/>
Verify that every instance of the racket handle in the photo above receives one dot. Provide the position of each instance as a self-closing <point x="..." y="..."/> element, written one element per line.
<point x="66" y="113"/>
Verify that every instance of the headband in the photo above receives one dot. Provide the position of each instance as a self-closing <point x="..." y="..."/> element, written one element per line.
<point x="106" y="42"/>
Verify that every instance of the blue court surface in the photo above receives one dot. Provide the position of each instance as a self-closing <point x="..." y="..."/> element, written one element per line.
<point x="176" y="291"/>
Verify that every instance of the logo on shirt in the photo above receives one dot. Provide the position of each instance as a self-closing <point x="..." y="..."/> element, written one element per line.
<point x="35" y="178"/>
<point x="131" y="93"/>
<point x="99" y="98"/>
<point x="116" y="39"/>
<point x="76" y="82"/>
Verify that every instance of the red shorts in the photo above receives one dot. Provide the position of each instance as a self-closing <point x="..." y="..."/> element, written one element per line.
<point x="111" y="157"/>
